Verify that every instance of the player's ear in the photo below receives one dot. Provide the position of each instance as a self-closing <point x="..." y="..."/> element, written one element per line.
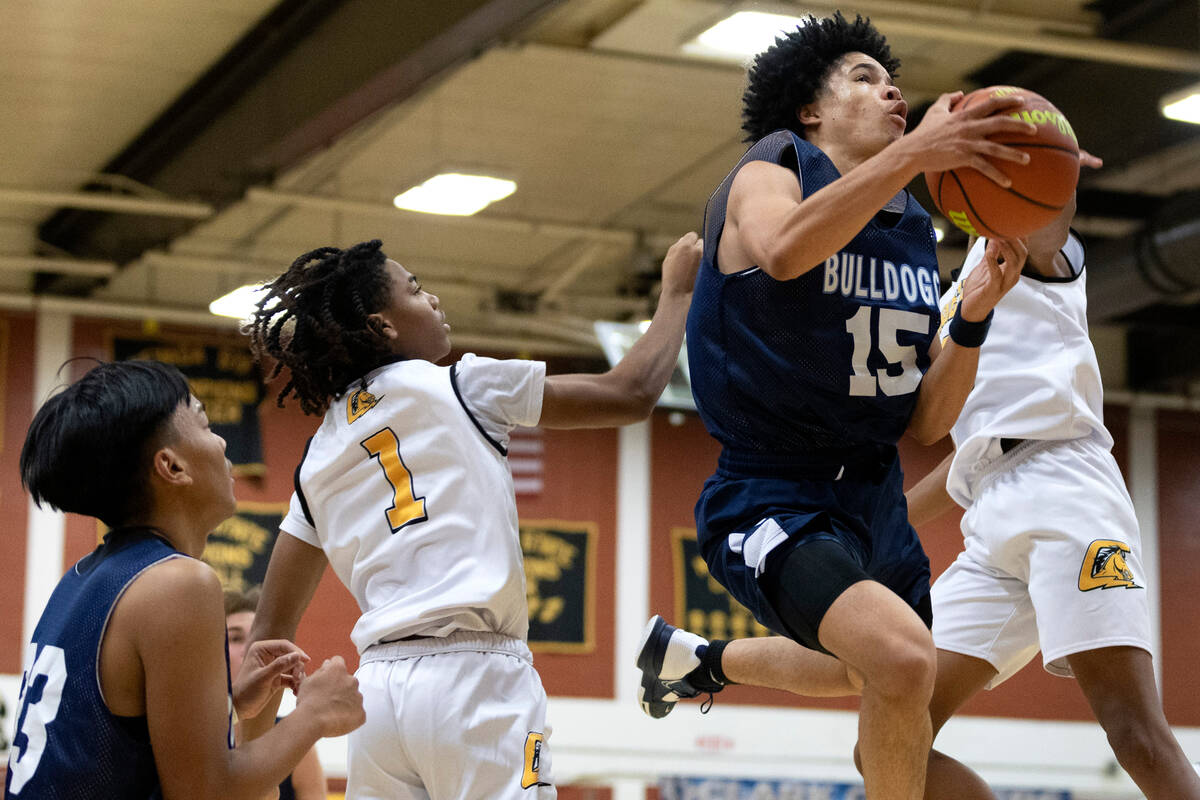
<point x="381" y="326"/>
<point x="808" y="114"/>
<point x="169" y="466"/>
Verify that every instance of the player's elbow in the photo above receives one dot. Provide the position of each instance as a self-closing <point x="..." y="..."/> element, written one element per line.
<point x="926" y="432"/>
<point x="776" y="261"/>
<point x="638" y="404"/>
<point x="783" y="263"/>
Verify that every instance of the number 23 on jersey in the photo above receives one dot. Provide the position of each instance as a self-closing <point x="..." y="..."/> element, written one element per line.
<point x="406" y="507"/>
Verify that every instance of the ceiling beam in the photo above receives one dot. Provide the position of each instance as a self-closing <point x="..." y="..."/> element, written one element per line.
<point x="961" y="16"/>
<point x="453" y="45"/>
<point x="104" y="201"/>
<point x="626" y="237"/>
<point x="62" y="266"/>
<point x="1105" y="51"/>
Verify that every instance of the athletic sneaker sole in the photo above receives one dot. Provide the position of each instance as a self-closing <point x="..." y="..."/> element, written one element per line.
<point x="651" y="652"/>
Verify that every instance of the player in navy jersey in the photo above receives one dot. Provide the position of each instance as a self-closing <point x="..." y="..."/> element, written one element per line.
<point x="811" y="343"/>
<point x="125" y="692"/>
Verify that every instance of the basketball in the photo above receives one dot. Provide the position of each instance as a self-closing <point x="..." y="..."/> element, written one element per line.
<point x="1040" y="189"/>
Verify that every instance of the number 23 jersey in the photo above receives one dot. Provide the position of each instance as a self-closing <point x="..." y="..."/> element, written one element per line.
<point x="406" y="487"/>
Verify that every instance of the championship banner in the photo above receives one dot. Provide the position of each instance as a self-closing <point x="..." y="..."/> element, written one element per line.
<point x="701" y="604"/>
<point x="560" y="584"/>
<point x="239" y="549"/>
<point x="225" y="379"/>
<point x="742" y="789"/>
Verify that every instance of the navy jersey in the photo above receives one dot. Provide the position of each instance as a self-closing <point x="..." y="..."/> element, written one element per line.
<point x="829" y="359"/>
<point x="68" y="745"/>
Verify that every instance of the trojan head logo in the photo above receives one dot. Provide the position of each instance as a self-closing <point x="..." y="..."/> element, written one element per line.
<point x="359" y="403"/>
<point x="1104" y="567"/>
<point x="948" y="309"/>
<point x="533" y="760"/>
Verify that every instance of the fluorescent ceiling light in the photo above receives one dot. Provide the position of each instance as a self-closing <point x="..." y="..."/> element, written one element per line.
<point x="456" y="194"/>
<point x="939" y="232"/>
<point x="240" y="303"/>
<point x="742" y="35"/>
<point x="1183" y="106"/>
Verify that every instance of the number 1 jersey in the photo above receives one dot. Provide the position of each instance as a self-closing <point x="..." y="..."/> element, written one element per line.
<point x="406" y="487"/>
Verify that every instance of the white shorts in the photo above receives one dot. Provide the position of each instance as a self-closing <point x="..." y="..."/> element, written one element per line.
<point x="455" y="718"/>
<point x="1051" y="559"/>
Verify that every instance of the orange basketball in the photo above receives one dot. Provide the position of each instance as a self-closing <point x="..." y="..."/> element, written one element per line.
<point x="1040" y="189"/>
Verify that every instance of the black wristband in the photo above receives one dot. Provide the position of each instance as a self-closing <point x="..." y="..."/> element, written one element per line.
<point x="969" y="334"/>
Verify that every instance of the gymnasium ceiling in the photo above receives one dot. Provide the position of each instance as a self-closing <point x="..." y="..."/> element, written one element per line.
<point x="159" y="153"/>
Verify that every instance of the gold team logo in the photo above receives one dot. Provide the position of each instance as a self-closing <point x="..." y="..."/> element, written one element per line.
<point x="533" y="759"/>
<point x="360" y="403"/>
<point x="1104" y="566"/>
<point x="948" y="309"/>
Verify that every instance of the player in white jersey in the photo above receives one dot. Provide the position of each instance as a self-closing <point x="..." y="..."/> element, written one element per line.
<point x="405" y="490"/>
<point x="1051" y="556"/>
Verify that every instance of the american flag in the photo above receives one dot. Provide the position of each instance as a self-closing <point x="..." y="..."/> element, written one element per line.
<point x="525" y="449"/>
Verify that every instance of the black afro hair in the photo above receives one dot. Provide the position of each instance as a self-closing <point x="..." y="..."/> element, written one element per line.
<point x="789" y="73"/>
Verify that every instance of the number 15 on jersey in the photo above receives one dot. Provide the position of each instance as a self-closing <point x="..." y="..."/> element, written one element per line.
<point x="886" y="339"/>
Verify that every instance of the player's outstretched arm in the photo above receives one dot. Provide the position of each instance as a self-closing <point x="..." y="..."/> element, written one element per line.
<point x="175" y="610"/>
<point x="627" y="392"/>
<point x="786" y="234"/>
<point x="928" y="499"/>
<point x="951" y="376"/>
<point x="293" y="573"/>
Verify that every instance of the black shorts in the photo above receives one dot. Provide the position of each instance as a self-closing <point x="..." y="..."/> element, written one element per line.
<point x="804" y="578"/>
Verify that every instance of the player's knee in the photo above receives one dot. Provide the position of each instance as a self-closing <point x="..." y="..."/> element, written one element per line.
<point x="905" y="670"/>
<point x="1136" y="745"/>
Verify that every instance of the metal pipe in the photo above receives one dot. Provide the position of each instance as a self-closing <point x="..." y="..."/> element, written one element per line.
<point x="1157" y="264"/>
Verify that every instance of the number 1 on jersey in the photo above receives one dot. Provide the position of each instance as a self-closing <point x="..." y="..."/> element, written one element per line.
<point x="405" y="509"/>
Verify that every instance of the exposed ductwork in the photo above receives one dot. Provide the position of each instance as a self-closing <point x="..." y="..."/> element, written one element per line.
<point x="1159" y="264"/>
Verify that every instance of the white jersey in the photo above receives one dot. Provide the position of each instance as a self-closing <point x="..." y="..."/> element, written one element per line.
<point x="406" y="487"/>
<point x="1037" y="377"/>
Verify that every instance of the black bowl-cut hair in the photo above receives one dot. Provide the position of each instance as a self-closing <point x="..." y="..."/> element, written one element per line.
<point x="88" y="448"/>
<point x="789" y="73"/>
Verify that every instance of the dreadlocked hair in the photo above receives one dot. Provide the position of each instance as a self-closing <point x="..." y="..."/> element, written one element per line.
<point x="312" y="319"/>
<point x="789" y="73"/>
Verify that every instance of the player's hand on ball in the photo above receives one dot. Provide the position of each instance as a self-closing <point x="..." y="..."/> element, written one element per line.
<point x="268" y="666"/>
<point x="331" y="694"/>
<point x="681" y="264"/>
<point x="1003" y="260"/>
<point x="949" y="139"/>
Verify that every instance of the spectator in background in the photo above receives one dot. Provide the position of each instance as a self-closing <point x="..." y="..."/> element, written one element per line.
<point x="307" y="782"/>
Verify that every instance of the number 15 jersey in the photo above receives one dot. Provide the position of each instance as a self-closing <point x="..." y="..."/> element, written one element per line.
<point x="406" y="487"/>
<point x="831" y="358"/>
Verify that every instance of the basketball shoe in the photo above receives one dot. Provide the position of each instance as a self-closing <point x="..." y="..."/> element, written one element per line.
<point x="675" y="664"/>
